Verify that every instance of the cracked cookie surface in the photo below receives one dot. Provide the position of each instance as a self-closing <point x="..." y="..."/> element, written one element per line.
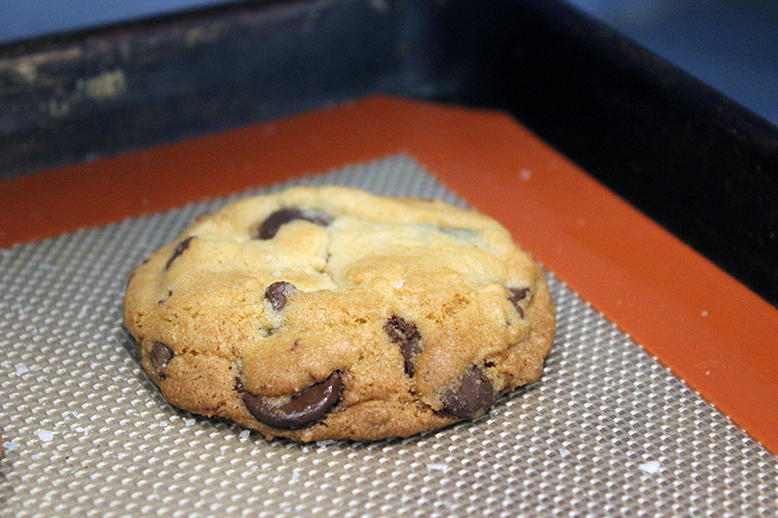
<point x="332" y="313"/>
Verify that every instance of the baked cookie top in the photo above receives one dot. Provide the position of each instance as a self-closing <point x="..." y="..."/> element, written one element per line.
<point x="333" y="313"/>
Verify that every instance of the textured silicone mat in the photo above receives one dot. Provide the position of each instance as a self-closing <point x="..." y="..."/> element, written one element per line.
<point x="606" y="431"/>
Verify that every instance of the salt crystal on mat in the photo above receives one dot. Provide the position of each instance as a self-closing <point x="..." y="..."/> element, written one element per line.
<point x="244" y="434"/>
<point x="45" y="436"/>
<point x="650" y="466"/>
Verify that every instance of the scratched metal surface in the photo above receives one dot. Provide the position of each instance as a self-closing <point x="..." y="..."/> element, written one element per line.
<point x="607" y="430"/>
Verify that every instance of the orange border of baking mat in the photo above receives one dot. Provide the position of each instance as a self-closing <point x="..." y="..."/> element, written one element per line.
<point x="710" y="330"/>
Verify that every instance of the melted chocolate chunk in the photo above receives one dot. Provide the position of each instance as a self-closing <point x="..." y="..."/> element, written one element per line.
<point x="160" y="357"/>
<point x="180" y="249"/>
<point x="278" y="293"/>
<point x="473" y="397"/>
<point x="516" y="295"/>
<point x="303" y="409"/>
<point x="400" y="330"/>
<point x="277" y="219"/>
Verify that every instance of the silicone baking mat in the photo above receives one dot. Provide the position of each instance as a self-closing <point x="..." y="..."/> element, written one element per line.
<point x="607" y="430"/>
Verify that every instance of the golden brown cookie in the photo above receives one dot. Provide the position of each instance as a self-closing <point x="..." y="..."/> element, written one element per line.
<point x="332" y="313"/>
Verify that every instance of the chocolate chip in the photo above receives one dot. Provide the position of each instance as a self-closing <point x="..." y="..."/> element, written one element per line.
<point x="280" y="217"/>
<point x="278" y="293"/>
<point x="303" y="409"/>
<point x="400" y="330"/>
<point x="516" y="295"/>
<point x="180" y="249"/>
<point x="473" y="397"/>
<point x="160" y="356"/>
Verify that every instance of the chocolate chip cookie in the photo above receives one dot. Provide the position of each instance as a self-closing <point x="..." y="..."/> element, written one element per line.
<point x="332" y="313"/>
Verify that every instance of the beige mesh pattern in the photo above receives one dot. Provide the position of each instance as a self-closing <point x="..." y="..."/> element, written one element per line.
<point x="607" y="430"/>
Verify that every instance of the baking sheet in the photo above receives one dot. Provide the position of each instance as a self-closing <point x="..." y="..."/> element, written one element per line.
<point x="606" y="431"/>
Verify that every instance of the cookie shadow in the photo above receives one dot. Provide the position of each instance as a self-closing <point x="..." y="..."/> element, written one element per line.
<point x="130" y="345"/>
<point x="6" y="489"/>
<point x="133" y="351"/>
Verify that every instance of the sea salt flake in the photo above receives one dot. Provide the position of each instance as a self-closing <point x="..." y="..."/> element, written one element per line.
<point x="45" y="435"/>
<point x="244" y="434"/>
<point x="21" y="369"/>
<point x="189" y="422"/>
<point x="437" y="467"/>
<point x="650" y="466"/>
<point x="11" y="445"/>
<point x="564" y="452"/>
